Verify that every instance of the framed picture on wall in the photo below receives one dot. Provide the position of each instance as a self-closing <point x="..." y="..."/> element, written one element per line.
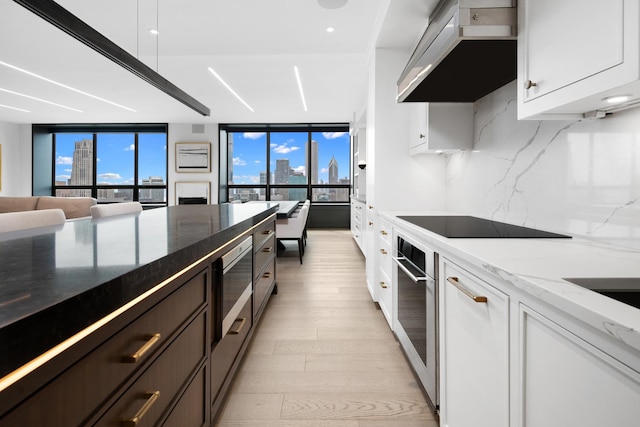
<point x="193" y="157"/>
<point x="192" y="193"/>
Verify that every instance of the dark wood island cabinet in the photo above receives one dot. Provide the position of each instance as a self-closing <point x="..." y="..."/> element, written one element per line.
<point x="129" y="343"/>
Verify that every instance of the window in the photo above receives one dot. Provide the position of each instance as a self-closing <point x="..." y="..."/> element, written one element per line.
<point x="113" y="163"/>
<point x="286" y="162"/>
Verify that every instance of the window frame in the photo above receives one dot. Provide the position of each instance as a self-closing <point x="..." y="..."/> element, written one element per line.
<point x="95" y="130"/>
<point x="224" y="188"/>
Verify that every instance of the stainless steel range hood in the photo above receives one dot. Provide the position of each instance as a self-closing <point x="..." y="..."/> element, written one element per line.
<point x="467" y="51"/>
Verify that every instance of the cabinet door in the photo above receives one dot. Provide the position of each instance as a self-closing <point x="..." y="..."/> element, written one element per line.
<point x="474" y="351"/>
<point x="572" y="52"/>
<point x="567" y="382"/>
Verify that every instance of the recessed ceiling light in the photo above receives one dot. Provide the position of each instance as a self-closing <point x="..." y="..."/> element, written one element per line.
<point x="617" y="99"/>
<point x="154" y="32"/>
<point x="304" y="102"/>
<point x="332" y="4"/>
<point x="233" y="92"/>
<point x="38" y="99"/>
<point x="330" y="29"/>
<point x="14" y="108"/>
<point x="13" y="67"/>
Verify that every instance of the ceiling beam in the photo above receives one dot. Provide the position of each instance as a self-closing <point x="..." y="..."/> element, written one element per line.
<point x="56" y="15"/>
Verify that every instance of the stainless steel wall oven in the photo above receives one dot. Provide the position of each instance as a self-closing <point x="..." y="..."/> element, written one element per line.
<point x="417" y="311"/>
<point x="237" y="280"/>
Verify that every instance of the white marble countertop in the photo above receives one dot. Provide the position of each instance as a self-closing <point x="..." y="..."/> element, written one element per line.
<point x="538" y="266"/>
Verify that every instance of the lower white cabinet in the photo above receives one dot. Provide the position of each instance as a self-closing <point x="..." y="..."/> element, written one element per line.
<point x="358" y="223"/>
<point x="566" y="381"/>
<point x="474" y="351"/>
<point x="385" y="270"/>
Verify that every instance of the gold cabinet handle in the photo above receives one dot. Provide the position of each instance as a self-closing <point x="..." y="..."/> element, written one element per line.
<point x="383" y="285"/>
<point x="151" y="398"/>
<point x="370" y="207"/>
<point x="528" y="84"/>
<point x="266" y="274"/>
<point x="133" y="358"/>
<point x="384" y="233"/>
<point x="383" y="252"/>
<point x="266" y="232"/>
<point x="454" y="282"/>
<point x="269" y="249"/>
<point x="237" y="331"/>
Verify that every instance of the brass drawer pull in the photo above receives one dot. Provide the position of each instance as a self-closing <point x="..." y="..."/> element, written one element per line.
<point x="383" y="285"/>
<point x="370" y="222"/>
<point x="454" y="282"/>
<point x="384" y="233"/>
<point x="269" y="249"/>
<point x="151" y="399"/>
<point x="133" y="358"/>
<point x="237" y="331"/>
<point x="266" y="274"/>
<point x="383" y="252"/>
<point x="267" y="232"/>
<point x="370" y="207"/>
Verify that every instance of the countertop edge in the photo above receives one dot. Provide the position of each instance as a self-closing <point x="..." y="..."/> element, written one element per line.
<point x="615" y="319"/>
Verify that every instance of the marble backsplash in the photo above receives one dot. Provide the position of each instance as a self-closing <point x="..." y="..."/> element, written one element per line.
<point x="575" y="177"/>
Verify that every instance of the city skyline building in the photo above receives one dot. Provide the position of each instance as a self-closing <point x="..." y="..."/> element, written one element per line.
<point x="314" y="158"/>
<point x="333" y="171"/>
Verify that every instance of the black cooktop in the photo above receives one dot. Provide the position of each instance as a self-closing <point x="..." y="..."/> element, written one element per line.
<point x="472" y="227"/>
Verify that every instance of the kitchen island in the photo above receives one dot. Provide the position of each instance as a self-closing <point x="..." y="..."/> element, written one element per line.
<point x="67" y="292"/>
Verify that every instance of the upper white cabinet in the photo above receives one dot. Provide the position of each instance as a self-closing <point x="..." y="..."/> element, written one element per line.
<point x="574" y="54"/>
<point x="359" y="144"/>
<point x="440" y="127"/>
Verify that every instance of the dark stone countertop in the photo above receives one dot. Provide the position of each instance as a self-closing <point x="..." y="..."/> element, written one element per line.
<point x="56" y="281"/>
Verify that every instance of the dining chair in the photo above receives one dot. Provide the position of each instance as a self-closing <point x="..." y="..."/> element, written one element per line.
<point x="293" y="229"/>
<point x="113" y="209"/>
<point x="14" y="221"/>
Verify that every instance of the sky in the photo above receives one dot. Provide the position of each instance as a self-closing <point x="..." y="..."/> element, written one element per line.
<point x="249" y="154"/>
<point x="115" y="156"/>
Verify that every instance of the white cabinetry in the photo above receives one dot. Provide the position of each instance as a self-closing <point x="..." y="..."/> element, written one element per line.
<point x="568" y="382"/>
<point x="440" y="127"/>
<point x="385" y="269"/>
<point x="359" y="142"/>
<point x="574" y="53"/>
<point x="474" y="349"/>
<point x="358" y="223"/>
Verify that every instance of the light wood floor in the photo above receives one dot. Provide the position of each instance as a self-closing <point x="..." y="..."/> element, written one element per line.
<point x="323" y="354"/>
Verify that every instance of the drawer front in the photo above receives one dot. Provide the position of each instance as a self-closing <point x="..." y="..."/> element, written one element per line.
<point x="262" y="256"/>
<point x="227" y="349"/>
<point x="384" y="255"/>
<point x="160" y="383"/>
<point x="262" y="285"/>
<point x="385" y="232"/>
<point x="191" y="410"/>
<point x="263" y="233"/>
<point x="75" y="394"/>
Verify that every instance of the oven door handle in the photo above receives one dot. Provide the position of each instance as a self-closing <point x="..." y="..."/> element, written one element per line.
<point x="413" y="277"/>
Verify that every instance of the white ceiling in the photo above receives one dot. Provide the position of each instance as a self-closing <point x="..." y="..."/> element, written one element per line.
<point x="252" y="44"/>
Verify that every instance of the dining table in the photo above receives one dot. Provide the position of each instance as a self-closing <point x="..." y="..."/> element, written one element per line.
<point x="285" y="207"/>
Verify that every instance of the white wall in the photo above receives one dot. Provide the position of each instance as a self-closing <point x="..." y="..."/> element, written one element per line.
<point x="396" y="181"/>
<point x="15" y="168"/>
<point x="577" y="177"/>
<point x="184" y="133"/>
